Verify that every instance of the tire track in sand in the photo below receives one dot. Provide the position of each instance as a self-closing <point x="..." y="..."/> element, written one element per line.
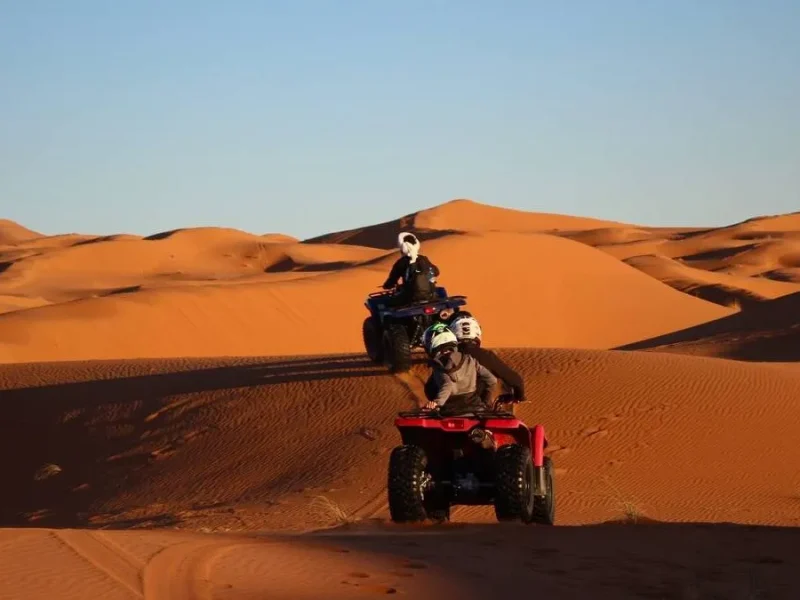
<point x="183" y="571"/>
<point x="110" y="559"/>
<point x="378" y="503"/>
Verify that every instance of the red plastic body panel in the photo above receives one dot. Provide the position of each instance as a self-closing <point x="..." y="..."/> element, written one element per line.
<point x="505" y="431"/>
<point x="537" y="445"/>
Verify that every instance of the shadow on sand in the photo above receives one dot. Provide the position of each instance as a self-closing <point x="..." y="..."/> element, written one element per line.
<point x="654" y="560"/>
<point x="763" y="332"/>
<point x="76" y="423"/>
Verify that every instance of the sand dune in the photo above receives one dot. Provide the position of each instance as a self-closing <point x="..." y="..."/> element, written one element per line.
<point x="14" y="233"/>
<point x="206" y="389"/>
<point x="577" y="302"/>
<point x="72" y="269"/>
<point x="459" y="216"/>
<point x="221" y="442"/>
<point x="715" y="286"/>
<point x="12" y="303"/>
<point x="236" y="446"/>
<point x="769" y="331"/>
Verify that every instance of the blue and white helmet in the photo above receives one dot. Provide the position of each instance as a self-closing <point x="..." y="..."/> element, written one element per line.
<point x="437" y="338"/>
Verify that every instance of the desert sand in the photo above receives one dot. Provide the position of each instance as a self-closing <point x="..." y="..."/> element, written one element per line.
<point x="191" y="415"/>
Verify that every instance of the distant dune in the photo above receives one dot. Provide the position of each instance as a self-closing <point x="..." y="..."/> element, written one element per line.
<point x="14" y="233"/>
<point x="459" y="216"/>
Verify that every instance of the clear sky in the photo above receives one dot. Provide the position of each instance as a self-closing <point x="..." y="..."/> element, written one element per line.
<point x="306" y="116"/>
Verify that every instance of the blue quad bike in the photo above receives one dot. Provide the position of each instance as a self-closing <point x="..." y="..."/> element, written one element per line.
<point x="392" y="333"/>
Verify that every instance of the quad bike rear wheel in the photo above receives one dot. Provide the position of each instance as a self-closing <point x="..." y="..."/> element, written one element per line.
<point x="407" y="483"/>
<point x="371" y="333"/>
<point x="544" y="507"/>
<point x="396" y="349"/>
<point x="514" y="484"/>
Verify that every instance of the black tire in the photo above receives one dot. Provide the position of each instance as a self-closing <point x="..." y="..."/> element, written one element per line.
<point x="396" y="349"/>
<point x="370" y="331"/>
<point x="406" y="480"/>
<point x="544" y="508"/>
<point x="514" y="499"/>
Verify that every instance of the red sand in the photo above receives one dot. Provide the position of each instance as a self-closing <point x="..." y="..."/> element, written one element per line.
<point x="113" y="373"/>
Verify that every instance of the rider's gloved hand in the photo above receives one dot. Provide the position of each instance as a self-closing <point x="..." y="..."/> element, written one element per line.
<point x="430" y="405"/>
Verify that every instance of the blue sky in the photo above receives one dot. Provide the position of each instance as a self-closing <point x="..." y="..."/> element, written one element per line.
<point x="306" y="116"/>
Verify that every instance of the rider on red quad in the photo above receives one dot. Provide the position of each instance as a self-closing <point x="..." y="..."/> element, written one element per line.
<point x="459" y="383"/>
<point x="468" y="332"/>
<point x="418" y="273"/>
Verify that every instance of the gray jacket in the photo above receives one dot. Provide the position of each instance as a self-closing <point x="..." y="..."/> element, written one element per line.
<point x="457" y="374"/>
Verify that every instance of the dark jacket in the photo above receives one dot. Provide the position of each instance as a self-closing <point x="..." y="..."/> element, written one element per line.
<point x="499" y="369"/>
<point x="400" y="268"/>
<point x="459" y="379"/>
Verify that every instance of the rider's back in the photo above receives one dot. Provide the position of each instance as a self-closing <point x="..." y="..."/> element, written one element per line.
<point x="497" y="366"/>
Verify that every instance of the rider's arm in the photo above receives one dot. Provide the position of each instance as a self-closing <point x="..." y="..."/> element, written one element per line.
<point x="442" y="388"/>
<point x="395" y="274"/>
<point x="489" y="381"/>
<point x="511" y="378"/>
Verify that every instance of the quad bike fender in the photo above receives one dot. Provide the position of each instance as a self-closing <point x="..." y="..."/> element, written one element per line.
<point x="505" y="431"/>
<point x="538" y="443"/>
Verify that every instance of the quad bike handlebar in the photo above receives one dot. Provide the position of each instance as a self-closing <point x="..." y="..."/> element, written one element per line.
<point x="505" y="399"/>
<point x="501" y="399"/>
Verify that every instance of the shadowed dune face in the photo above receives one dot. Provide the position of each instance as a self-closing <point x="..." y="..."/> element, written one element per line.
<point x="769" y="331"/>
<point x="606" y="561"/>
<point x="251" y="443"/>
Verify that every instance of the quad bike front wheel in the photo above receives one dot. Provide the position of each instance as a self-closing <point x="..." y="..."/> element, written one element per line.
<point x="514" y="484"/>
<point x="373" y="344"/>
<point x="396" y="349"/>
<point x="544" y="507"/>
<point x="407" y="483"/>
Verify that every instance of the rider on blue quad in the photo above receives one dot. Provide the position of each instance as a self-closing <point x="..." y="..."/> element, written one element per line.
<point x="417" y="271"/>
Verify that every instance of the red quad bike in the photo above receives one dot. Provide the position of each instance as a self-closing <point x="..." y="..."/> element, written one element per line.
<point x="482" y="457"/>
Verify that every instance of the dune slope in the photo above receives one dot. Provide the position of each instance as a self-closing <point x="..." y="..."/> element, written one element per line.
<point x="715" y="286"/>
<point x="769" y="331"/>
<point x="256" y="419"/>
<point x="14" y="233"/>
<point x="73" y="269"/>
<point x="586" y="299"/>
<point x="253" y="443"/>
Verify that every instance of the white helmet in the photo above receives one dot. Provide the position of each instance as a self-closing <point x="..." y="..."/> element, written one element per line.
<point x="408" y="244"/>
<point x="466" y="328"/>
<point x="437" y="337"/>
